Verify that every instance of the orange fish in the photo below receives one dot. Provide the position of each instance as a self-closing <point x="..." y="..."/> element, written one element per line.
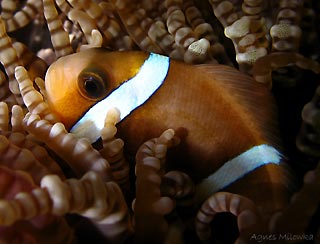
<point x="225" y="120"/>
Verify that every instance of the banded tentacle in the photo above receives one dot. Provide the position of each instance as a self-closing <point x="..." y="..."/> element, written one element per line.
<point x="8" y="8"/>
<point x="24" y="16"/>
<point x="113" y="150"/>
<point x="150" y="205"/>
<point x="59" y="37"/>
<point x="247" y="213"/>
<point x="10" y="60"/>
<point x="90" y="196"/>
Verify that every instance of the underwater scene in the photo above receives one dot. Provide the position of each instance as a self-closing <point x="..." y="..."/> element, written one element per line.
<point x="147" y="121"/>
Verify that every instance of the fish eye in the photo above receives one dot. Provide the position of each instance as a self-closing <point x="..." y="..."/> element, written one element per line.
<point x="92" y="85"/>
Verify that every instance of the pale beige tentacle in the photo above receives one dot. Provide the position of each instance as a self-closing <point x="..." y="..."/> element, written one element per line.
<point x="64" y="6"/>
<point x="198" y="24"/>
<point x="4" y="117"/>
<point x="14" y="183"/>
<point x="78" y="153"/>
<point x="86" y="23"/>
<point x="10" y="60"/>
<point x="5" y="93"/>
<point x="225" y="11"/>
<point x="246" y="28"/>
<point x="36" y="66"/>
<point x="177" y="185"/>
<point x="108" y="21"/>
<point x="108" y="26"/>
<point x="158" y="34"/>
<point x="133" y="24"/>
<point x="297" y="215"/>
<point x="204" y="32"/>
<point x="308" y="139"/>
<point x="23" y="141"/>
<point x="91" y="197"/>
<point x="149" y="205"/>
<point x="42" y="87"/>
<point x="20" y="159"/>
<point x="8" y="8"/>
<point x="249" y="38"/>
<point x="31" y="97"/>
<point x="59" y="37"/>
<point x="177" y="26"/>
<point x="14" y="180"/>
<point x="100" y="201"/>
<point x="24" y="16"/>
<point x="113" y="150"/>
<point x="286" y="32"/>
<point x="47" y="55"/>
<point x="247" y="213"/>
<point x="95" y="41"/>
<point x="19" y="143"/>
<point x="193" y="37"/>
<point x="197" y="52"/>
<point x="264" y="66"/>
<point x="107" y="7"/>
<point x="252" y="7"/>
<point x="16" y="119"/>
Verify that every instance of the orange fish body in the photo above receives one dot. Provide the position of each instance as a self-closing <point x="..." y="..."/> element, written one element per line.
<point x="221" y="116"/>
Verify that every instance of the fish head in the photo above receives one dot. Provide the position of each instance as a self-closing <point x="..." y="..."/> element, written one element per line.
<point x="76" y="82"/>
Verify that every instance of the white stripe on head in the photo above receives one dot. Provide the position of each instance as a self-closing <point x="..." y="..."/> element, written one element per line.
<point x="127" y="97"/>
<point x="235" y="169"/>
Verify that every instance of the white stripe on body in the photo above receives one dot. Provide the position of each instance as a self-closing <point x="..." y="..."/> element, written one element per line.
<point x="235" y="169"/>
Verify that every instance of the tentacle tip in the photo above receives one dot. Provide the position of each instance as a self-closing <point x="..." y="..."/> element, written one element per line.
<point x="57" y="129"/>
<point x="164" y="205"/>
<point x="19" y="68"/>
<point x="30" y="118"/>
<point x="113" y="116"/>
<point x="20" y="72"/>
<point x="168" y="134"/>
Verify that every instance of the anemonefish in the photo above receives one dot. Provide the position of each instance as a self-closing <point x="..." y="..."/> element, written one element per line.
<point x="224" y="119"/>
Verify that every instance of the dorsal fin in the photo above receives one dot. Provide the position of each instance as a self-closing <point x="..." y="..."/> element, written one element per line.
<point x="253" y="96"/>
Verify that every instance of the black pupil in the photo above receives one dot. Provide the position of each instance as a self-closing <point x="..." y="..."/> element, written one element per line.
<point x="91" y="83"/>
<point x="91" y="86"/>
